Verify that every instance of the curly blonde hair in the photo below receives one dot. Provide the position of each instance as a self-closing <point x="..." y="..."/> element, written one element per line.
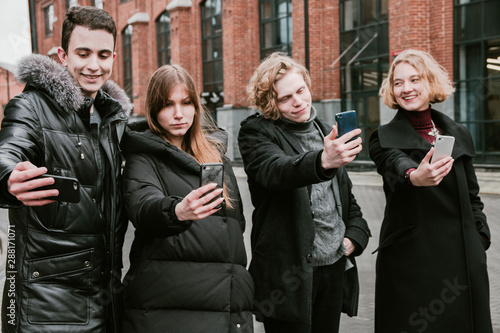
<point x="261" y="89"/>
<point x="438" y="83"/>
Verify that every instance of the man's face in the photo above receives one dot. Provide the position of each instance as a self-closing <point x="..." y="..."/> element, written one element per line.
<point x="89" y="58"/>
<point x="293" y="97"/>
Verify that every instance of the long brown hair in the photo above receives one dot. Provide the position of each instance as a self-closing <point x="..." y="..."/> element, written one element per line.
<point x="195" y="141"/>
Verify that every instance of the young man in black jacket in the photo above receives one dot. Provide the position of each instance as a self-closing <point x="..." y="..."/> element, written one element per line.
<point x="307" y="226"/>
<point x="64" y="263"/>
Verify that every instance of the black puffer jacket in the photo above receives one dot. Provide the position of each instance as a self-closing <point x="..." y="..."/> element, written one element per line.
<point x="67" y="255"/>
<point x="184" y="276"/>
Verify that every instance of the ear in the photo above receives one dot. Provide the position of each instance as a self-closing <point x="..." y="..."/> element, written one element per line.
<point x="62" y="56"/>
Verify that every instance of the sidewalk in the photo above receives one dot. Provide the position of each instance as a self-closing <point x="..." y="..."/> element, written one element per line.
<point x="489" y="182"/>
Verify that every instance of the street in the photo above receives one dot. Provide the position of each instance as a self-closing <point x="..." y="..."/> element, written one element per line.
<point x="370" y="197"/>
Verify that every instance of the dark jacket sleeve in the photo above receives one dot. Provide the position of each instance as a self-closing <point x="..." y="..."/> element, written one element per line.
<point x="357" y="229"/>
<point x="391" y="163"/>
<point x="149" y="210"/>
<point x="21" y="140"/>
<point x="267" y="162"/>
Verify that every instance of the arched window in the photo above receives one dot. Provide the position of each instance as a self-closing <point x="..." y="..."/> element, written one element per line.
<point x="127" y="60"/>
<point x="275" y="27"/>
<point x="163" y="39"/>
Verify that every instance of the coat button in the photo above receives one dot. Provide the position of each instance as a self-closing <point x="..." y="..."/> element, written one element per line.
<point x="238" y="325"/>
<point x="309" y="258"/>
<point x="86" y="263"/>
<point x="36" y="274"/>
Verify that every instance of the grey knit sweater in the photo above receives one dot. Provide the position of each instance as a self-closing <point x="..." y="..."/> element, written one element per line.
<point x="325" y="198"/>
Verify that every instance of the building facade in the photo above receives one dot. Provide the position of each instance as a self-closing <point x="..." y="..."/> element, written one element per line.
<point x="347" y="45"/>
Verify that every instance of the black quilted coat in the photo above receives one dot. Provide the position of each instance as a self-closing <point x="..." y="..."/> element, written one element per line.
<point x="63" y="275"/>
<point x="185" y="276"/>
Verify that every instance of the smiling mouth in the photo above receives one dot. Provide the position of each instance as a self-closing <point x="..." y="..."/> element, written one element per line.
<point x="91" y="77"/>
<point x="407" y="98"/>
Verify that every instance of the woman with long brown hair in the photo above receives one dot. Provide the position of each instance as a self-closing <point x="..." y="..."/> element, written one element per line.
<point x="188" y="259"/>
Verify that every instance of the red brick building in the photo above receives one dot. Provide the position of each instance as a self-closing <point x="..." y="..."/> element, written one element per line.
<point x="346" y="44"/>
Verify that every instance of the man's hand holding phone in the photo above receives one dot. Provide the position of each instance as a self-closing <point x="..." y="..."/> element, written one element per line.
<point x="340" y="151"/>
<point x="23" y="183"/>
<point x="34" y="187"/>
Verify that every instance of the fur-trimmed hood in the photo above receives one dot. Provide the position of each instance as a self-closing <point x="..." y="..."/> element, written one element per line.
<point x="44" y="73"/>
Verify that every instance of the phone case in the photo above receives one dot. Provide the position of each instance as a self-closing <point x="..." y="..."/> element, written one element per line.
<point x="443" y="147"/>
<point x="68" y="187"/>
<point x="212" y="173"/>
<point x="346" y="122"/>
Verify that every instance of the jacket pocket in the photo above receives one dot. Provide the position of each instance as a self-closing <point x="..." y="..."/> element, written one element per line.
<point x="60" y="266"/>
<point x="58" y="289"/>
<point x="395" y="237"/>
<point x="57" y="304"/>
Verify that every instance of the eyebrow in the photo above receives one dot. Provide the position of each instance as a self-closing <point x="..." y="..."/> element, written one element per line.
<point x="86" y="49"/>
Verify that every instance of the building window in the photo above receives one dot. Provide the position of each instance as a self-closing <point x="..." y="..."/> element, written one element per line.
<point x="364" y="62"/>
<point x="97" y="4"/>
<point x="71" y="3"/>
<point x="275" y="27"/>
<point x="477" y="74"/>
<point x="211" y="30"/>
<point x="163" y="39"/>
<point x="49" y="19"/>
<point x="127" y="60"/>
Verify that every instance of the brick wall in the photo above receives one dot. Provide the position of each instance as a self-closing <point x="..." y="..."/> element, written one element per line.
<point x="426" y="25"/>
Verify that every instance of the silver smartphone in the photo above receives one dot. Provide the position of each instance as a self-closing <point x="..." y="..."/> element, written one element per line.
<point x="443" y="147"/>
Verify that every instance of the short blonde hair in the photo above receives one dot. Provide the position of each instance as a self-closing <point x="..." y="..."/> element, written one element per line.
<point x="438" y="82"/>
<point x="261" y="89"/>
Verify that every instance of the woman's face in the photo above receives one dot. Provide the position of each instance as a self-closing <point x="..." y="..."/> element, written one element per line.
<point x="177" y="117"/>
<point x="410" y="89"/>
<point x="293" y="97"/>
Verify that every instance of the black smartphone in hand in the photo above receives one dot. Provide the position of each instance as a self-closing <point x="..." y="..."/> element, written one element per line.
<point x="68" y="187"/>
<point x="212" y="173"/>
<point x="346" y="122"/>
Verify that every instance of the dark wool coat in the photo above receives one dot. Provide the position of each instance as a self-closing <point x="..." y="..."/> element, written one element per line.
<point x="280" y="175"/>
<point x="431" y="262"/>
<point x="187" y="276"/>
<point x="68" y="256"/>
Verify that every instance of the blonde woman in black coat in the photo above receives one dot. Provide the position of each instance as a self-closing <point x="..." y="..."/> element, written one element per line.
<point x="431" y="263"/>
<point x="188" y="258"/>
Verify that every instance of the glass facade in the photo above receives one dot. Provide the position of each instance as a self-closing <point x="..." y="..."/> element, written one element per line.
<point x="163" y="39"/>
<point x="211" y="30"/>
<point x="275" y="26"/>
<point x="477" y="74"/>
<point x="364" y="62"/>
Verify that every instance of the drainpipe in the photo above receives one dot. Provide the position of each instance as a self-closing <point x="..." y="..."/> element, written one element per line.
<point x="306" y="31"/>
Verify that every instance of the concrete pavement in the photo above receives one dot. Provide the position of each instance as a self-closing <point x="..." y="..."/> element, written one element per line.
<point x="369" y="194"/>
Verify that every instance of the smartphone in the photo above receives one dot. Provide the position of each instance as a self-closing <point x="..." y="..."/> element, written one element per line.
<point x="212" y="173"/>
<point x="68" y="187"/>
<point x="443" y="147"/>
<point x="346" y="122"/>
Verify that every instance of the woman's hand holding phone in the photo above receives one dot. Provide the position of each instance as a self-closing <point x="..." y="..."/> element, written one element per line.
<point x="196" y="205"/>
<point x="428" y="174"/>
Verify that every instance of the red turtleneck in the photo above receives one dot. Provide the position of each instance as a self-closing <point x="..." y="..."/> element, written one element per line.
<point x="421" y="122"/>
